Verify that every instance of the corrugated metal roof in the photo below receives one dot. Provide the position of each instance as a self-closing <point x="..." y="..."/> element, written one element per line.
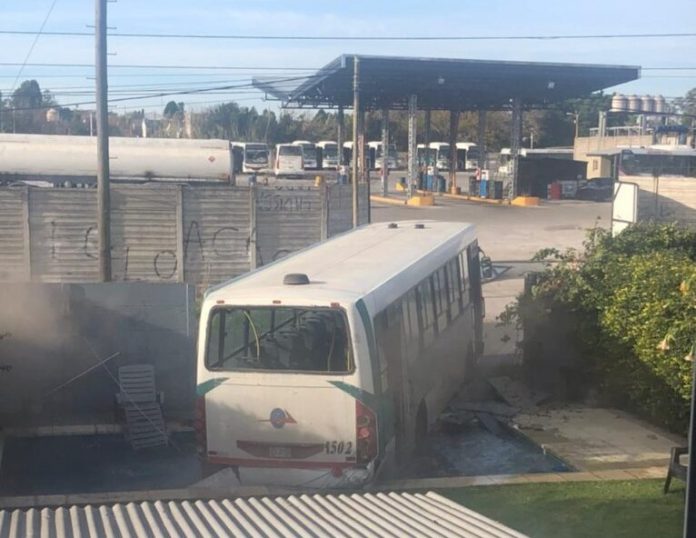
<point x="365" y="514"/>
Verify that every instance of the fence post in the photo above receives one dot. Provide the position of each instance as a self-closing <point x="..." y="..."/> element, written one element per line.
<point x="324" y="234"/>
<point x="180" y="251"/>
<point x="252" y="228"/>
<point x="26" y="232"/>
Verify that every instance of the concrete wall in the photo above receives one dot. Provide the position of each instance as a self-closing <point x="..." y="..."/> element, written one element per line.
<point x="666" y="199"/>
<point x="55" y="332"/>
<point x="164" y="233"/>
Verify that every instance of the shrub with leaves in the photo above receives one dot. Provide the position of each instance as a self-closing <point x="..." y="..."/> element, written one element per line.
<point x="627" y="305"/>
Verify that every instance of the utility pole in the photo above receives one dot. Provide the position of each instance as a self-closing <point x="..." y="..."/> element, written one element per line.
<point x="355" y="174"/>
<point x="103" y="189"/>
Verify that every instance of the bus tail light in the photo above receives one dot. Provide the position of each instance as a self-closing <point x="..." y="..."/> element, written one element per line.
<point x="365" y="433"/>
<point x="200" y="426"/>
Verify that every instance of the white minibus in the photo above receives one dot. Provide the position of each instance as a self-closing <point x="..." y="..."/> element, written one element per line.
<point x="327" y="367"/>
<point x="309" y="153"/>
<point x="250" y="157"/>
<point x="288" y="161"/>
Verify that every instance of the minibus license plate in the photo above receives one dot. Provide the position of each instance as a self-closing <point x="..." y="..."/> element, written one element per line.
<point x="279" y="452"/>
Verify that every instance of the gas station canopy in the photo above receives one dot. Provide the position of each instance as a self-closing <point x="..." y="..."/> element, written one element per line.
<point x="447" y="84"/>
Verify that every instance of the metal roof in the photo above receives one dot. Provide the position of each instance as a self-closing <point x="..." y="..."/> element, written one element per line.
<point x="364" y="514"/>
<point x="447" y="84"/>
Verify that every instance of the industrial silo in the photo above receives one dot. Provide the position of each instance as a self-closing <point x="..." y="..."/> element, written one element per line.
<point x="660" y="104"/>
<point x="619" y="103"/>
<point x="648" y="103"/>
<point x="634" y="103"/>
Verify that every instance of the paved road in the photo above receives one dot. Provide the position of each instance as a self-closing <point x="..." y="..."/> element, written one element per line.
<point x="510" y="236"/>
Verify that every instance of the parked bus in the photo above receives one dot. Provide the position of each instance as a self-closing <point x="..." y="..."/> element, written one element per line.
<point x="288" y="161"/>
<point x="375" y="149"/>
<point x="468" y="155"/>
<point x="348" y="154"/>
<point x="250" y="157"/>
<point x="328" y="366"/>
<point x="309" y="153"/>
<point x="442" y="154"/>
<point x="426" y="157"/>
<point x="328" y="152"/>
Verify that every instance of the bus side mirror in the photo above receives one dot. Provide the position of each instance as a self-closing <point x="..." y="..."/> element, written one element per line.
<point x="486" y="267"/>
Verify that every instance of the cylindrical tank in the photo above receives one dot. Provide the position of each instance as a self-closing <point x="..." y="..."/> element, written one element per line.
<point x="619" y="103"/>
<point x="648" y="103"/>
<point x="660" y="104"/>
<point x="634" y="103"/>
<point x="52" y="115"/>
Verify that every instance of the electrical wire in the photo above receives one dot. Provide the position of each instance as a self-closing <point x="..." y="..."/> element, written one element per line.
<point x="33" y="43"/>
<point x="549" y="37"/>
<point x="243" y="67"/>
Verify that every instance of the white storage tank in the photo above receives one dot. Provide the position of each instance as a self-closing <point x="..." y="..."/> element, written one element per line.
<point x="634" y="103"/>
<point x="619" y="103"/>
<point x="648" y="103"/>
<point x="660" y="104"/>
<point x="52" y="115"/>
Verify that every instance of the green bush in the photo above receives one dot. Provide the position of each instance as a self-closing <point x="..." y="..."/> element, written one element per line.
<point x="629" y="305"/>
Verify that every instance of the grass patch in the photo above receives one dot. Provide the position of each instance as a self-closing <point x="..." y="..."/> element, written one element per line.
<point x="634" y="509"/>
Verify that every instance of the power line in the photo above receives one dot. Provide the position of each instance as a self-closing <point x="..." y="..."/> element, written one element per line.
<point x="241" y="67"/>
<point x="33" y="44"/>
<point x="549" y="37"/>
<point x="161" y="66"/>
<point x="244" y="67"/>
<point x="208" y="90"/>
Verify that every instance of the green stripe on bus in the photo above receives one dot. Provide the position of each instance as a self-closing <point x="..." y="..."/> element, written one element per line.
<point x="383" y="404"/>
<point x="205" y="387"/>
<point x="367" y="323"/>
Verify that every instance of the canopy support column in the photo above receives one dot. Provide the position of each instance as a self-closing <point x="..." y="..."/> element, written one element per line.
<point x="412" y="163"/>
<point x="385" y="152"/>
<point x="482" y="117"/>
<point x="453" y="130"/>
<point x="364" y="165"/>
<point x="515" y="144"/>
<point x="356" y="113"/>
<point x="340" y="134"/>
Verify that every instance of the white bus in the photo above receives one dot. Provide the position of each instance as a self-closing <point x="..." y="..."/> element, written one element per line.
<point x="329" y="365"/>
<point x="288" y="161"/>
<point x="309" y="153"/>
<point x="375" y="151"/>
<point x="250" y="157"/>
<point x="467" y="156"/>
<point x="442" y="154"/>
<point x="329" y="154"/>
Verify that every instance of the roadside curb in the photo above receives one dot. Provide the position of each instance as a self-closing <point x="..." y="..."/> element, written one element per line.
<point x="394" y="201"/>
<point x="637" y="473"/>
<point x="475" y="199"/>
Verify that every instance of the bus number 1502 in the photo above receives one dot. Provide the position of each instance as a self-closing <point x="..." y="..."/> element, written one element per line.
<point x="338" y="447"/>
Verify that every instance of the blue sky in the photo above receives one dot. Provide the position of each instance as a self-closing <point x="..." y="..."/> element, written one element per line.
<point x="332" y="17"/>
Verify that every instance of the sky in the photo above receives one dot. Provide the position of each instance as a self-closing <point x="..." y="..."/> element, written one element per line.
<point x="328" y="18"/>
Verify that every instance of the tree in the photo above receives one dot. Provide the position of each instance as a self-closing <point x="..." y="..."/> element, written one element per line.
<point x="27" y="102"/>
<point x="173" y="109"/>
<point x="687" y="104"/>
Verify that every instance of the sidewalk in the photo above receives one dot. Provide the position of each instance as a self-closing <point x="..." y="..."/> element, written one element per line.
<point x="596" y="439"/>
